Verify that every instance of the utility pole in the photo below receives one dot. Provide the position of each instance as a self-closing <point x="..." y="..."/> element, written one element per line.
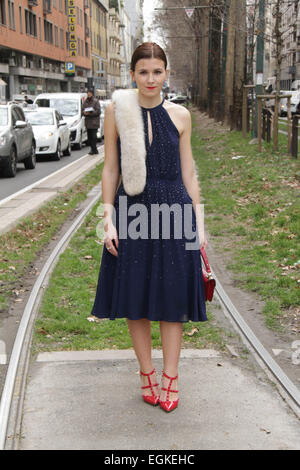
<point x="122" y="26"/>
<point x="259" y="60"/>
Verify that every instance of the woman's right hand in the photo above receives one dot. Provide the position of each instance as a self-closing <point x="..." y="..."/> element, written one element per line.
<point x="111" y="234"/>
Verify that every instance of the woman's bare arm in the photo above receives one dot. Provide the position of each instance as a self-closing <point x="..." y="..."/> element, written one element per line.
<point x="188" y="169"/>
<point x="110" y="177"/>
<point x="111" y="169"/>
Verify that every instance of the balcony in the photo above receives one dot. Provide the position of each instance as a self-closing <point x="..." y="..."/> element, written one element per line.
<point x="117" y="57"/>
<point x="32" y="3"/>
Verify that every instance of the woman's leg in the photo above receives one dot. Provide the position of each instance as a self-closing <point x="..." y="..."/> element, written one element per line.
<point x="140" y="332"/>
<point x="171" y="335"/>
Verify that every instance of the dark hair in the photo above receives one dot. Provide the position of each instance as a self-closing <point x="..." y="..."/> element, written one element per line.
<point x="148" y="50"/>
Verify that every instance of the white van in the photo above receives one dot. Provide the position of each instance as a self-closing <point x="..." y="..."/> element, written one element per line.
<point x="70" y="106"/>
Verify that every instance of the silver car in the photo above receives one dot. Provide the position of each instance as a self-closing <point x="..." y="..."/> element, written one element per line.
<point x="17" y="141"/>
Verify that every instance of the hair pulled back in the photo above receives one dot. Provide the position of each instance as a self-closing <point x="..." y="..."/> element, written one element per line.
<point x="148" y="50"/>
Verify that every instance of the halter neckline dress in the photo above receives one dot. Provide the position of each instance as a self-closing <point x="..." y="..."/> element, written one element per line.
<point x="155" y="278"/>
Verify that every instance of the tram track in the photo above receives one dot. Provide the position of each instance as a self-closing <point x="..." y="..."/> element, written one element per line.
<point x="13" y="393"/>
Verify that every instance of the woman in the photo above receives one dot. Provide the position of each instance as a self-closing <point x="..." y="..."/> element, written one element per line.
<point x="153" y="279"/>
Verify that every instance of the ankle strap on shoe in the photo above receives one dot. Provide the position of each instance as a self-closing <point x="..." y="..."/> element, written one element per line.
<point x="171" y="378"/>
<point x="142" y="373"/>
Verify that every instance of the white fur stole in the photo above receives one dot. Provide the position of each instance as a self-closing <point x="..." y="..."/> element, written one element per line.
<point x="130" y="124"/>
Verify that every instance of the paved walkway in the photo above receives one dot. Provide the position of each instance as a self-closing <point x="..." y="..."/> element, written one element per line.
<point x="92" y="400"/>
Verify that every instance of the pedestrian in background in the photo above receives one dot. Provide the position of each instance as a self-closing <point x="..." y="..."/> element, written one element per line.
<point x="28" y="100"/>
<point x="91" y="110"/>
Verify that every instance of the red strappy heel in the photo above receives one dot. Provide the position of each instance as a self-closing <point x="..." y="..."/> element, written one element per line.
<point x="169" y="405"/>
<point x="151" y="399"/>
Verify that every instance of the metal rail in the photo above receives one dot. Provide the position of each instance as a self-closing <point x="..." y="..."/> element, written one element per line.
<point x="268" y="360"/>
<point x="9" y="384"/>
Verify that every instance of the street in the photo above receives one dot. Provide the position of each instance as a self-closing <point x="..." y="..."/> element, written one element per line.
<point x="45" y="166"/>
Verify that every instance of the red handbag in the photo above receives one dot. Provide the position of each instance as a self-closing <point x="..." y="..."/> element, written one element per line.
<point x="209" y="281"/>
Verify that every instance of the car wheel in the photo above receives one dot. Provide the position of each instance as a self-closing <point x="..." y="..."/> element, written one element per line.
<point x="30" y="162"/>
<point x="78" y="146"/>
<point x="57" y="155"/>
<point x="10" y="169"/>
<point x="67" y="152"/>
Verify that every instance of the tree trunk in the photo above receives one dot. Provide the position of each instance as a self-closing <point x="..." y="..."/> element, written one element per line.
<point x="239" y="76"/>
<point x="229" y="74"/>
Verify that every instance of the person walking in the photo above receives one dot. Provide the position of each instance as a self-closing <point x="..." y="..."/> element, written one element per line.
<point x="27" y="100"/>
<point x="91" y="110"/>
<point x="146" y="279"/>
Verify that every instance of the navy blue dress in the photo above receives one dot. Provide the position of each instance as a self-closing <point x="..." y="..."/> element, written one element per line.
<point x="154" y="278"/>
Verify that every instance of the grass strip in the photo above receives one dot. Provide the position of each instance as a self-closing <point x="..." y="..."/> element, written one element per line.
<point x="21" y="245"/>
<point x="252" y="211"/>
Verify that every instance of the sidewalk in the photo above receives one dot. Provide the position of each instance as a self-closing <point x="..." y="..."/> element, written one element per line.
<point x="92" y="400"/>
<point x="25" y="203"/>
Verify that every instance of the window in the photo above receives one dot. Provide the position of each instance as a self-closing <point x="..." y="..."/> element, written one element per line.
<point x="48" y="32"/>
<point x="86" y="49"/>
<point x="61" y="5"/>
<point x="54" y="4"/>
<point x="40" y="27"/>
<point x="20" y="114"/>
<point x="78" y="46"/>
<point x="62" y="42"/>
<point x="30" y="23"/>
<point x="56" y="35"/>
<point x="14" y="116"/>
<point x="20" y="19"/>
<point x="2" y="12"/>
<point x="11" y="14"/>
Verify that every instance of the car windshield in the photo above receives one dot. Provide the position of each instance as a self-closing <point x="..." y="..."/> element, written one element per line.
<point x="66" y="107"/>
<point x="3" y="117"/>
<point x="40" y="119"/>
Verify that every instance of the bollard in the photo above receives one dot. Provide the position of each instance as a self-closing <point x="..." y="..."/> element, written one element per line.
<point x="294" y="145"/>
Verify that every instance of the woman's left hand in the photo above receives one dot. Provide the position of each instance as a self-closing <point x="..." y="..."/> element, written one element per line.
<point x="203" y="241"/>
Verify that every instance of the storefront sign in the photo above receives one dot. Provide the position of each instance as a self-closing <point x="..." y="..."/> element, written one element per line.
<point x="71" y="29"/>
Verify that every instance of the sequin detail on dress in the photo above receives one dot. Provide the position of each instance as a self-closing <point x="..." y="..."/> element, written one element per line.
<point x="157" y="279"/>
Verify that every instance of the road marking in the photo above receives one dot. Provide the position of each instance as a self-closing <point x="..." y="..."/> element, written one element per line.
<point x="276" y="352"/>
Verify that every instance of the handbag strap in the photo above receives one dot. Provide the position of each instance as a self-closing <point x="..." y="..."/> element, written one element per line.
<point x="204" y="256"/>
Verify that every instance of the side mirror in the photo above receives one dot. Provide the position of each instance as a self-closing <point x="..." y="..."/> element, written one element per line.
<point x="20" y="124"/>
<point x="62" y="123"/>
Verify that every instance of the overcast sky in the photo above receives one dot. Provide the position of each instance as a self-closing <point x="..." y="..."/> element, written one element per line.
<point x="149" y="6"/>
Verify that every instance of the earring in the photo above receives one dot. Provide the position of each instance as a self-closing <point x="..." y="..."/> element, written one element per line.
<point x="165" y="84"/>
<point x="134" y="84"/>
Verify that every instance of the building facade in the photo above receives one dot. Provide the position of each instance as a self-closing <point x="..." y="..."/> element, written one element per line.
<point x="115" y="60"/>
<point x="35" y="45"/>
<point x="290" y="36"/>
<point x="99" y="44"/>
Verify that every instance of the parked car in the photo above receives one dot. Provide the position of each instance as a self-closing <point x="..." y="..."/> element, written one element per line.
<point x="284" y="102"/>
<point x="69" y="105"/>
<point x="52" y="135"/>
<point x="270" y="103"/>
<point x="17" y="142"/>
<point x="295" y="102"/>
<point x="179" y="99"/>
